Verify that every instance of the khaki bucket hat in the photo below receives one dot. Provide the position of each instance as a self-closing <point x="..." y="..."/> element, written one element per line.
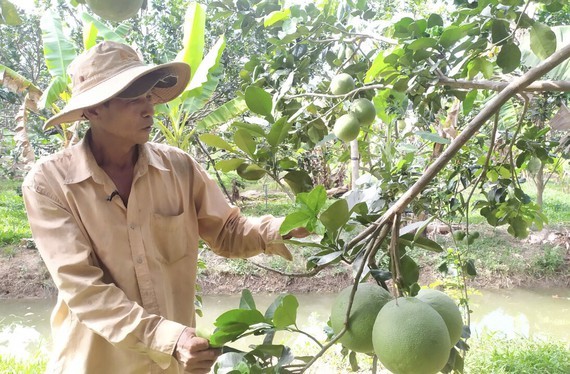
<point x="111" y="69"/>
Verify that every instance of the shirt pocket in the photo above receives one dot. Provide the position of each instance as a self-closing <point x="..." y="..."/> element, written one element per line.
<point x="170" y="237"/>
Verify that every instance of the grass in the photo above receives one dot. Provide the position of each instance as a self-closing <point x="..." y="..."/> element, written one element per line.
<point x="496" y="355"/>
<point x="13" y="220"/>
<point x="11" y="365"/>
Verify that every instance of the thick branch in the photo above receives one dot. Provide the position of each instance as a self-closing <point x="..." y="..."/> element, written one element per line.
<point x="538" y="86"/>
<point x="491" y="108"/>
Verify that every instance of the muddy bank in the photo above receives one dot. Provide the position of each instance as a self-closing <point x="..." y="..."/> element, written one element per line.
<point x="25" y="276"/>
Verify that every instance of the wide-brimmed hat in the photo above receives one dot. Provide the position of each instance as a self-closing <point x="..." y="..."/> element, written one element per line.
<point x="111" y="69"/>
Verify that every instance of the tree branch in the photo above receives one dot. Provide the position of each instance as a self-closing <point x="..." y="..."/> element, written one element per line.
<point x="538" y="86"/>
<point x="474" y="125"/>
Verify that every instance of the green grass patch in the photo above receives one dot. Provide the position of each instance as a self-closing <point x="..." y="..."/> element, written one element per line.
<point x="496" y="355"/>
<point x="556" y="201"/>
<point x="13" y="220"/>
<point x="11" y="365"/>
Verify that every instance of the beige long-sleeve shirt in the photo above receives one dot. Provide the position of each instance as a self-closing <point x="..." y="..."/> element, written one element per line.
<point x="126" y="274"/>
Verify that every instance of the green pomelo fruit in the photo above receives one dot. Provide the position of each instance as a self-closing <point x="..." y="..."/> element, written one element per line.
<point x="410" y="337"/>
<point x="347" y="127"/>
<point x="459" y="235"/>
<point x="342" y="84"/>
<point x="364" y="110"/>
<point x="447" y="309"/>
<point x="251" y="172"/>
<point x="534" y="165"/>
<point x="368" y="300"/>
<point x="115" y="10"/>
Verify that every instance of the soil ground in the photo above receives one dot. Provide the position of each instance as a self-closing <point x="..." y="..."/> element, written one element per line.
<point x="25" y="276"/>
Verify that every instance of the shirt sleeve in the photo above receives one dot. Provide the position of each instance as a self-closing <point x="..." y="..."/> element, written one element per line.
<point x="226" y="230"/>
<point x="100" y="306"/>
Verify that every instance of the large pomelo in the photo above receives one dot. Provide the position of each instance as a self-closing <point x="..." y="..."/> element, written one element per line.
<point x="364" y="110"/>
<point x="347" y="127"/>
<point x="368" y="300"/>
<point x="447" y="309"/>
<point x="115" y="10"/>
<point x="410" y="337"/>
<point x="250" y="172"/>
<point x="342" y="84"/>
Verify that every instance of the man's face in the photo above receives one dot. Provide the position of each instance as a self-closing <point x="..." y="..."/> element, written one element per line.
<point x="127" y="121"/>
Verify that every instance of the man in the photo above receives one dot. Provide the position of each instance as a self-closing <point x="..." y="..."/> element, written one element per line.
<point x="117" y="222"/>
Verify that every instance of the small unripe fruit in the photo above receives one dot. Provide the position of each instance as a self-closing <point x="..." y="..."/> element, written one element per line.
<point x="364" y="110"/>
<point x="342" y="84"/>
<point x="347" y="127"/>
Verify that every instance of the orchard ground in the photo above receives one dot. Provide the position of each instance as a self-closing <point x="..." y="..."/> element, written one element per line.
<point x="542" y="260"/>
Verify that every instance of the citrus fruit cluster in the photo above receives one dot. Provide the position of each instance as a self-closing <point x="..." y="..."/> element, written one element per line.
<point x="410" y="335"/>
<point x="362" y="111"/>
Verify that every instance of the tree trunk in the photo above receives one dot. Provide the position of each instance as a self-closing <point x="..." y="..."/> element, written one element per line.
<point x="540" y="185"/>
<point x="354" y="163"/>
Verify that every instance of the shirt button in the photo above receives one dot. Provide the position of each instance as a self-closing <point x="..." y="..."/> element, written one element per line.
<point x="139" y="260"/>
<point x="132" y="226"/>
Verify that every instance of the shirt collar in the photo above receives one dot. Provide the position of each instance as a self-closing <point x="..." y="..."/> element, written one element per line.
<point x="85" y="166"/>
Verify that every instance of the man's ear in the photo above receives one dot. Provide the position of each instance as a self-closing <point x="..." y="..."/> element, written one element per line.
<point x="91" y="113"/>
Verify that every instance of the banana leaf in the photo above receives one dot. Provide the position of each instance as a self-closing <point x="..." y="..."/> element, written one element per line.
<point x="194" y="31"/>
<point x="9" y="14"/>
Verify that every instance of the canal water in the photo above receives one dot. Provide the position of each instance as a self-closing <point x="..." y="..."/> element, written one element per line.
<point x="533" y="313"/>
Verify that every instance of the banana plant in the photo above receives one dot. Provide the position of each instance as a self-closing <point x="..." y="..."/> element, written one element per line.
<point x="174" y="118"/>
<point x="9" y="14"/>
<point x="18" y="84"/>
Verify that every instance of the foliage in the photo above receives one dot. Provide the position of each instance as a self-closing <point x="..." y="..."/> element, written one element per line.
<point x="14" y="223"/>
<point x="498" y="355"/>
<point x="11" y="365"/>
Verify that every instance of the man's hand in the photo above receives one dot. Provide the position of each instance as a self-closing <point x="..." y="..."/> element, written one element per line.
<point x="194" y="353"/>
<point x="299" y="232"/>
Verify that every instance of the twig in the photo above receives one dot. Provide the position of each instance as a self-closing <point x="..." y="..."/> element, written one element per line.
<point x="395" y="256"/>
<point x="474" y="125"/>
<point x="311" y="273"/>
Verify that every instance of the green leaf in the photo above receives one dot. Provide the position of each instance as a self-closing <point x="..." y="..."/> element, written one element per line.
<point x="313" y="200"/>
<point x="500" y="31"/>
<point x="59" y="51"/>
<point x="422" y="44"/>
<point x="299" y="181"/>
<point x="542" y="40"/>
<point x="432" y="137"/>
<point x="286" y="313"/>
<point x="409" y="270"/>
<point x="102" y="29"/>
<point x="252" y="128"/>
<point x="215" y="141"/>
<point x="9" y="14"/>
<point x="57" y="87"/>
<point x="469" y="268"/>
<point x="258" y="101"/>
<point x="90" y="33"/>
<point x="228" y="165"/>
<point x="227" y="333"/>
<point x="469" y="101"/>
<point x="329" y="258"/>
<point x="353" y="361"/>
<point x="245" y="142"/>
<point x="246" y="301"/>
<point x="420" y="242"/>
<point x="223" y="113"/>
<point x="518" y="227"/>
<point x="434" y="20"/>
<point x="509" y="58"/>
<point x="336" y="215"/>
<point x="295" y="220"/>
<point x="451" y="35"/>
<point x="205" y="79"/>
<point x="276" y="16"/>
<point x="245" y="316"/>
<point x="193" y="39"/>
<point x="279" y="132"/>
